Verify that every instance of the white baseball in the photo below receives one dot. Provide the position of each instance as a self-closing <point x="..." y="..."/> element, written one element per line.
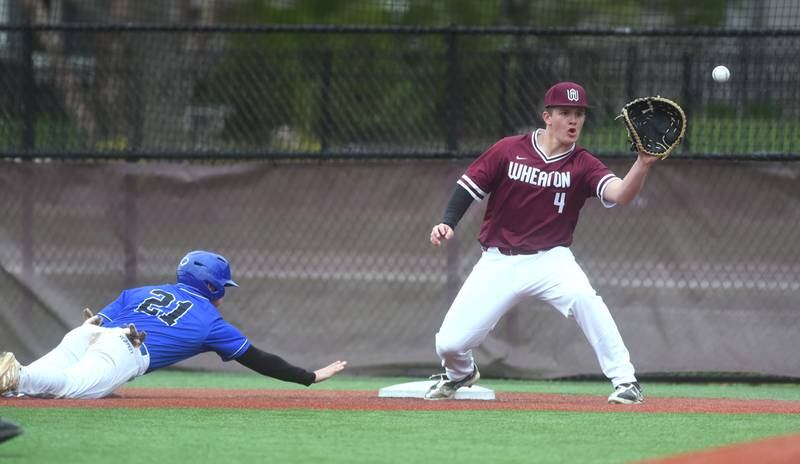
<point x="721" y="74"/>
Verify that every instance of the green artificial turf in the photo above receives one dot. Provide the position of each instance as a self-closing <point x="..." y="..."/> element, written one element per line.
<point x="228" y="436"/>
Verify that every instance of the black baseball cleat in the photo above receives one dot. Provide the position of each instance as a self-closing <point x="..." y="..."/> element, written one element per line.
<point x="627" y="393"/>
<point x="8" y="430"/>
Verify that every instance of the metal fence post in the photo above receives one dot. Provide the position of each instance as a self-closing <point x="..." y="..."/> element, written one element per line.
<point x="630" y="72"/>
<point x="27" y="85"/>
<point x="27" y="223"/>
<point x="688" y="95"/>
<point x="453" y="255"/>
<point x="505" y="119"/>
<point x="129" y="230"/>
<point x="452" y="91"/>
<point x="325" y="119"/>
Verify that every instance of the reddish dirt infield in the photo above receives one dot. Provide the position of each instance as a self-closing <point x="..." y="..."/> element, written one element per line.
<point x="781" y="450"/>
<point x="369" y="400"/>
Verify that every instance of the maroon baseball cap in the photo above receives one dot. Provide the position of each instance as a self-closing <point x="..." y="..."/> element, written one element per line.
<point x="566" y="94"/>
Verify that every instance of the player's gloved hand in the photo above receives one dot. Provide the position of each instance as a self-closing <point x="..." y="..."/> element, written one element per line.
<point x="91" y="318"/>
<point x="441" y="232"/>
<point x="655" y="125"/>
<point x="136" y="337"/>
<point x="329" y="371"/>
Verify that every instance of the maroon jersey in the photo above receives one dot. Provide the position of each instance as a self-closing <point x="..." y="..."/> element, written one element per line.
<point x="535" y="201"/>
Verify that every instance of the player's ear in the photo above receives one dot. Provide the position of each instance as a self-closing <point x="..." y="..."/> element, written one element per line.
<point x="546" y="116"/>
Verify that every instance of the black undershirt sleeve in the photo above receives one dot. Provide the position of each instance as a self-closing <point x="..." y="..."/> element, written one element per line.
<point x="274" y="366"/>
<point x="457" y="206"/>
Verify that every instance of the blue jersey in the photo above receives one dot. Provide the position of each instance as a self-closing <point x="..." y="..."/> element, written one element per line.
<point x="179" y="322"/>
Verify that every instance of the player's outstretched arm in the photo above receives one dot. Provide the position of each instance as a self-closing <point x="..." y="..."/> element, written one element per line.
<point x="329" y="371"/>
<point x="276" y="367"/>
<point x="624" y="191"/>
<point x="441" y="232"/>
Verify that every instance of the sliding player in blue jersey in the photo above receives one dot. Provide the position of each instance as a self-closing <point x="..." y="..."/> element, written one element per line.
<point x="146" y="329"/>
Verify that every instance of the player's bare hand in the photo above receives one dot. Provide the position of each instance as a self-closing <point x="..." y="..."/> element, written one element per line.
<point x="90" y="318"/>
<point x="441" y="232"/>
<point x="329" y="371"/>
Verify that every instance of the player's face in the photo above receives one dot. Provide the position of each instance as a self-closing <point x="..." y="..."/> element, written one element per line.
<point x="565" y="122"/>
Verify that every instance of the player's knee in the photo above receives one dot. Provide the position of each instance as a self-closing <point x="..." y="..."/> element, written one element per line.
<point x="587" y="296"/>
<point x="587" y="300"/>
<point x="579" y="292"/>
<point x="448" y="347"/>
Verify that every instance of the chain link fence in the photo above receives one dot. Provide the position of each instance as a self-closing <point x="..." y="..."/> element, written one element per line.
<point x="198" y="79"/>
<point x="446" y="92"/>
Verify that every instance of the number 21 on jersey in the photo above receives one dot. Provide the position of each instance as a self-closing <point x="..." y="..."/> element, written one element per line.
<point x="560" y="200"/>
<point x="159" y="305"/>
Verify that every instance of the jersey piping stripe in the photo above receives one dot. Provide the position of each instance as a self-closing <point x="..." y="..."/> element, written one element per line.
<point x="601" y="187"/>
<point x="475" y="197"/>
<point x="472" y="188"/>
<point x="246" y="341"/>
<point x="544" y="157"/>
<point x="478" y="190"/>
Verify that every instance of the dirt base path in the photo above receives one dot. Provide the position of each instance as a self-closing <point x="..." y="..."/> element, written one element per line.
<point x="780" y="450"/>
<point x="369" y="400"/>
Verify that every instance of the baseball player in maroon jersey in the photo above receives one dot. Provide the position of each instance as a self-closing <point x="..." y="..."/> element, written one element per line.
<point x="535" y="186"/>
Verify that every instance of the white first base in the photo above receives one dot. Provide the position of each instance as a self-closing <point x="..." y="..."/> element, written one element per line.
<point x="418" y="389"/>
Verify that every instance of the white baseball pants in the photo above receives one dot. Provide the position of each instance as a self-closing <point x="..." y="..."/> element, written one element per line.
<point x="498" y="282"/>
<point x="90" y="362"/>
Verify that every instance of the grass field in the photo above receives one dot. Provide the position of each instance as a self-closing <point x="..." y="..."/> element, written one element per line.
<point x="710" y="134"/>
<point x="227" y="436"/>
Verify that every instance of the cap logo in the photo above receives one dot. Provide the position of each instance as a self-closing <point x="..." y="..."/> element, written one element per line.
<point x="573" y="95"/>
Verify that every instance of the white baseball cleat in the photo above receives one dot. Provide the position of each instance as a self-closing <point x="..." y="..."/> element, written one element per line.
<point x="446" y="389"/>
<point x="9" y="372"/>
<point x="627" y="393"/>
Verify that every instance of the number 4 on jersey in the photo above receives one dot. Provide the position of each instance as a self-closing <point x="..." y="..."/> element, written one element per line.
<point x="560" y="200"/>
